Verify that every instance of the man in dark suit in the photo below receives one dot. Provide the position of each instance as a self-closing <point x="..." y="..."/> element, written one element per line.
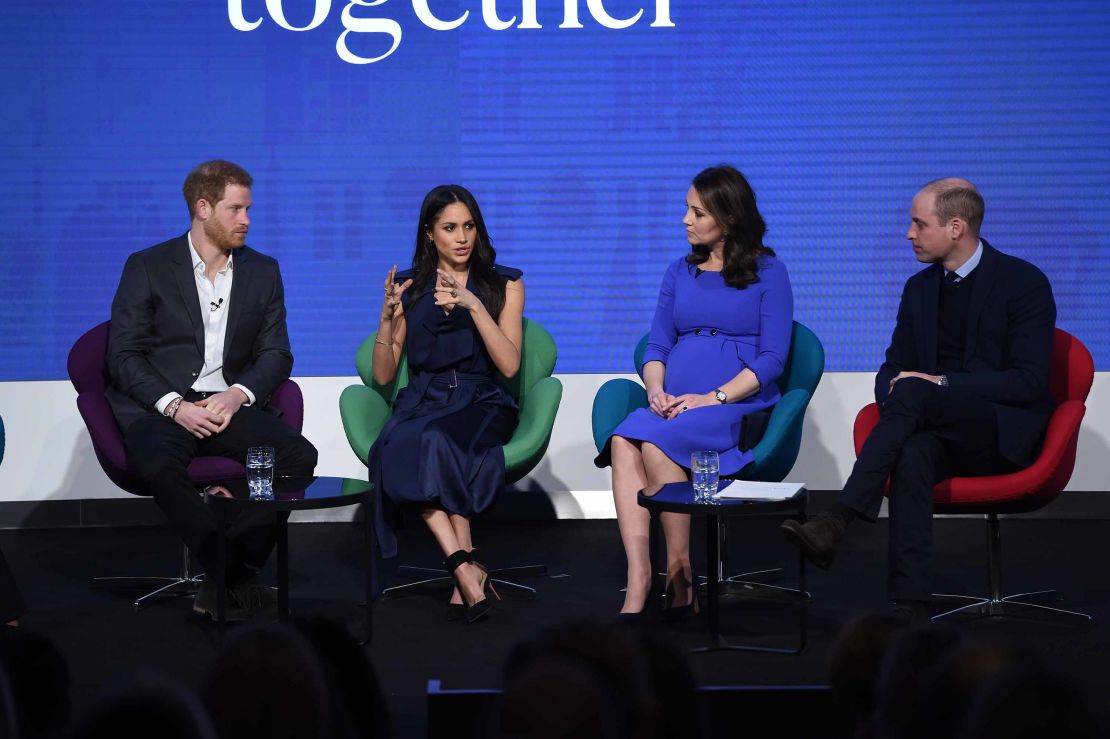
<point x="963" y="390"/>
<point x="197" y="344"/>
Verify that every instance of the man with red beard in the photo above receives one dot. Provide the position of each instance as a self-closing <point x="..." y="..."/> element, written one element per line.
<point x="197" y="344"/>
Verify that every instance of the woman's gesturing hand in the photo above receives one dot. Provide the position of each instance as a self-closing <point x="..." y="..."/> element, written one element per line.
<point x="450" y="293"/>
<point x="391" y="306"/>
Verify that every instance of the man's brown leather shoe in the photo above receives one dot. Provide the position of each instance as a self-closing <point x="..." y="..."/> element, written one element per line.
<point x="816" y="538"/>
<point x="238" y="601"/>
<point x="912" y="611"/>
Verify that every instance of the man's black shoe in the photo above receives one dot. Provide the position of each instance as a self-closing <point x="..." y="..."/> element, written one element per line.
<point x="816" y="538"/>
<point x="238" y="601"/>
<point x="913" y="611"/>
<point x="263" y="599"/>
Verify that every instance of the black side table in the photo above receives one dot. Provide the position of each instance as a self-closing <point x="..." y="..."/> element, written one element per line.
<point x="678" y="497"/>
<point x="229" y="499"/>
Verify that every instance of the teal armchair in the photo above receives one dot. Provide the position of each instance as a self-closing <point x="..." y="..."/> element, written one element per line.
<point x="365" y="409"/>
<point x="776" y="452"/>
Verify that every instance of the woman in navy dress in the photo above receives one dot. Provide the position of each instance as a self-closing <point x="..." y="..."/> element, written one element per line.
<point x="719" y="340"/>
<point x="458" y="316"/>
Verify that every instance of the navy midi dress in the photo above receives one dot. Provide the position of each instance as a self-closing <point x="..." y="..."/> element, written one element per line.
<point x="442" y="445"/>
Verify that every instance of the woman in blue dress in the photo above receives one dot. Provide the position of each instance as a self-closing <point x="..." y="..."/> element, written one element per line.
<point x="719" y="340"/>
<point x="458" y="316"/>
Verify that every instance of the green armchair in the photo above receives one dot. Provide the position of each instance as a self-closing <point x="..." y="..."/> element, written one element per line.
<point x="366" y="408"/>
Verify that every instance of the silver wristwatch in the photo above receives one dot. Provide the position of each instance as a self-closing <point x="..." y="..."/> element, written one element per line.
<point x="943" y="381"/>
<point x="721" y="397"/>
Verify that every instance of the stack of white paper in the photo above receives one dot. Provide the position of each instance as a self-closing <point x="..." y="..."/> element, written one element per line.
<point x="747" y="490"/>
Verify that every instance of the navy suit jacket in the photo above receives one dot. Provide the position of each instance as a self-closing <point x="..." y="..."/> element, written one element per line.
<point x="156" y="337"/>
<point x="1007" y="350"/>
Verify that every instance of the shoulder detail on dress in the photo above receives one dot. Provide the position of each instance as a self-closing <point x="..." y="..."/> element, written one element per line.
<point x="768" y="262"/>
<point x="680" y="265"/>
<point x="508" y="273"/>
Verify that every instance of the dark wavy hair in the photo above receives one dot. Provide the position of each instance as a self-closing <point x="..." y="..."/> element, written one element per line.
<point x="729" y="198"/>
<point x="490" y="289"/>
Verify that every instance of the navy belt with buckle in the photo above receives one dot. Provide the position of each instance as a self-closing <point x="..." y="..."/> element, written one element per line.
<point x="453" y="378"/>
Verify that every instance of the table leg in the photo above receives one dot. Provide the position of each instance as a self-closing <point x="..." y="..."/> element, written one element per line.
<point x="221" y="579"/>
<point x="718" y="643"/>
<point x="654" y="538"/>
<point x="371" y="572"/>
<point x="712" y="556"/>
<point x="282" y="524"/>
<point x="803" y="626"/>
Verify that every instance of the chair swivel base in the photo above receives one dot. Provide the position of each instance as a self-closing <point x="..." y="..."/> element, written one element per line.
<point x="743" y="585"/>
<point x="718" y="643"/>
<point x="1010" y="605"/>
<point x="429" y="575"/>
<point x="165" y="587"/>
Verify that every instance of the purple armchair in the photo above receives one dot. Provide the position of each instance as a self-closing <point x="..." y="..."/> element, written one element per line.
<point x="88" y="373"/>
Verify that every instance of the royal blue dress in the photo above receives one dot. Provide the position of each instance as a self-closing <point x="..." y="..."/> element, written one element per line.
<point x="706" y="332"/>
<point x="442" y="445"/>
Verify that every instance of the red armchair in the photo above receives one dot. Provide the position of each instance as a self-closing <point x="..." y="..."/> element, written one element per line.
<point x="1026" y="490"/>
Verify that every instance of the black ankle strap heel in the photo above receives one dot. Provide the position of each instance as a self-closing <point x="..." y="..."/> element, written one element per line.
<point x="478" y="609"/>
<point x="453" y="561"/>
<point x="484" y="578"/>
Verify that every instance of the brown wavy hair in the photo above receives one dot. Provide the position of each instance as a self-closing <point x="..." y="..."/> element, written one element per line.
<point x="729" y="198"/>
<point x="209" y="180"/>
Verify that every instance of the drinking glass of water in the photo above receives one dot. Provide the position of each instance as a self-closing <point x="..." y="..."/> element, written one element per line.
<point x="260" y="472"/>
<point x="705" y="468"/>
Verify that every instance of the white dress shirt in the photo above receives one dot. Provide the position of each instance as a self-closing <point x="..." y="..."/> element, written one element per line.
<point x="214" y="296"/>
<point x="969" y="266"/>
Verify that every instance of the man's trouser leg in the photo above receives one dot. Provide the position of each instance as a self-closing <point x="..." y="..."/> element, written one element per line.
<point x="160" y="451"/>
<point x="941" y="432"/>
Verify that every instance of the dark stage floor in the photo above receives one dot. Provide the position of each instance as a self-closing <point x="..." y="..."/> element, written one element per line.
<point x="104" y="638"/>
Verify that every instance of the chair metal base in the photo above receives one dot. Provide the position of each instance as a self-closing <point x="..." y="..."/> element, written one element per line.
<point x="743" y="585"/>
<point x="720" y="644"/>
<point x="429" y="575"/>
<point x="716" y="559"/>
<point x="996" y="604"/>
<point x="185" y="583"/>
<point x="1010" y="605"/>
<point x="166" y="587"/>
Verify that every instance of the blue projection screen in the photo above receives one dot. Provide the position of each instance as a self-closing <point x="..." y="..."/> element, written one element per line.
<point x="578" y="125"/>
